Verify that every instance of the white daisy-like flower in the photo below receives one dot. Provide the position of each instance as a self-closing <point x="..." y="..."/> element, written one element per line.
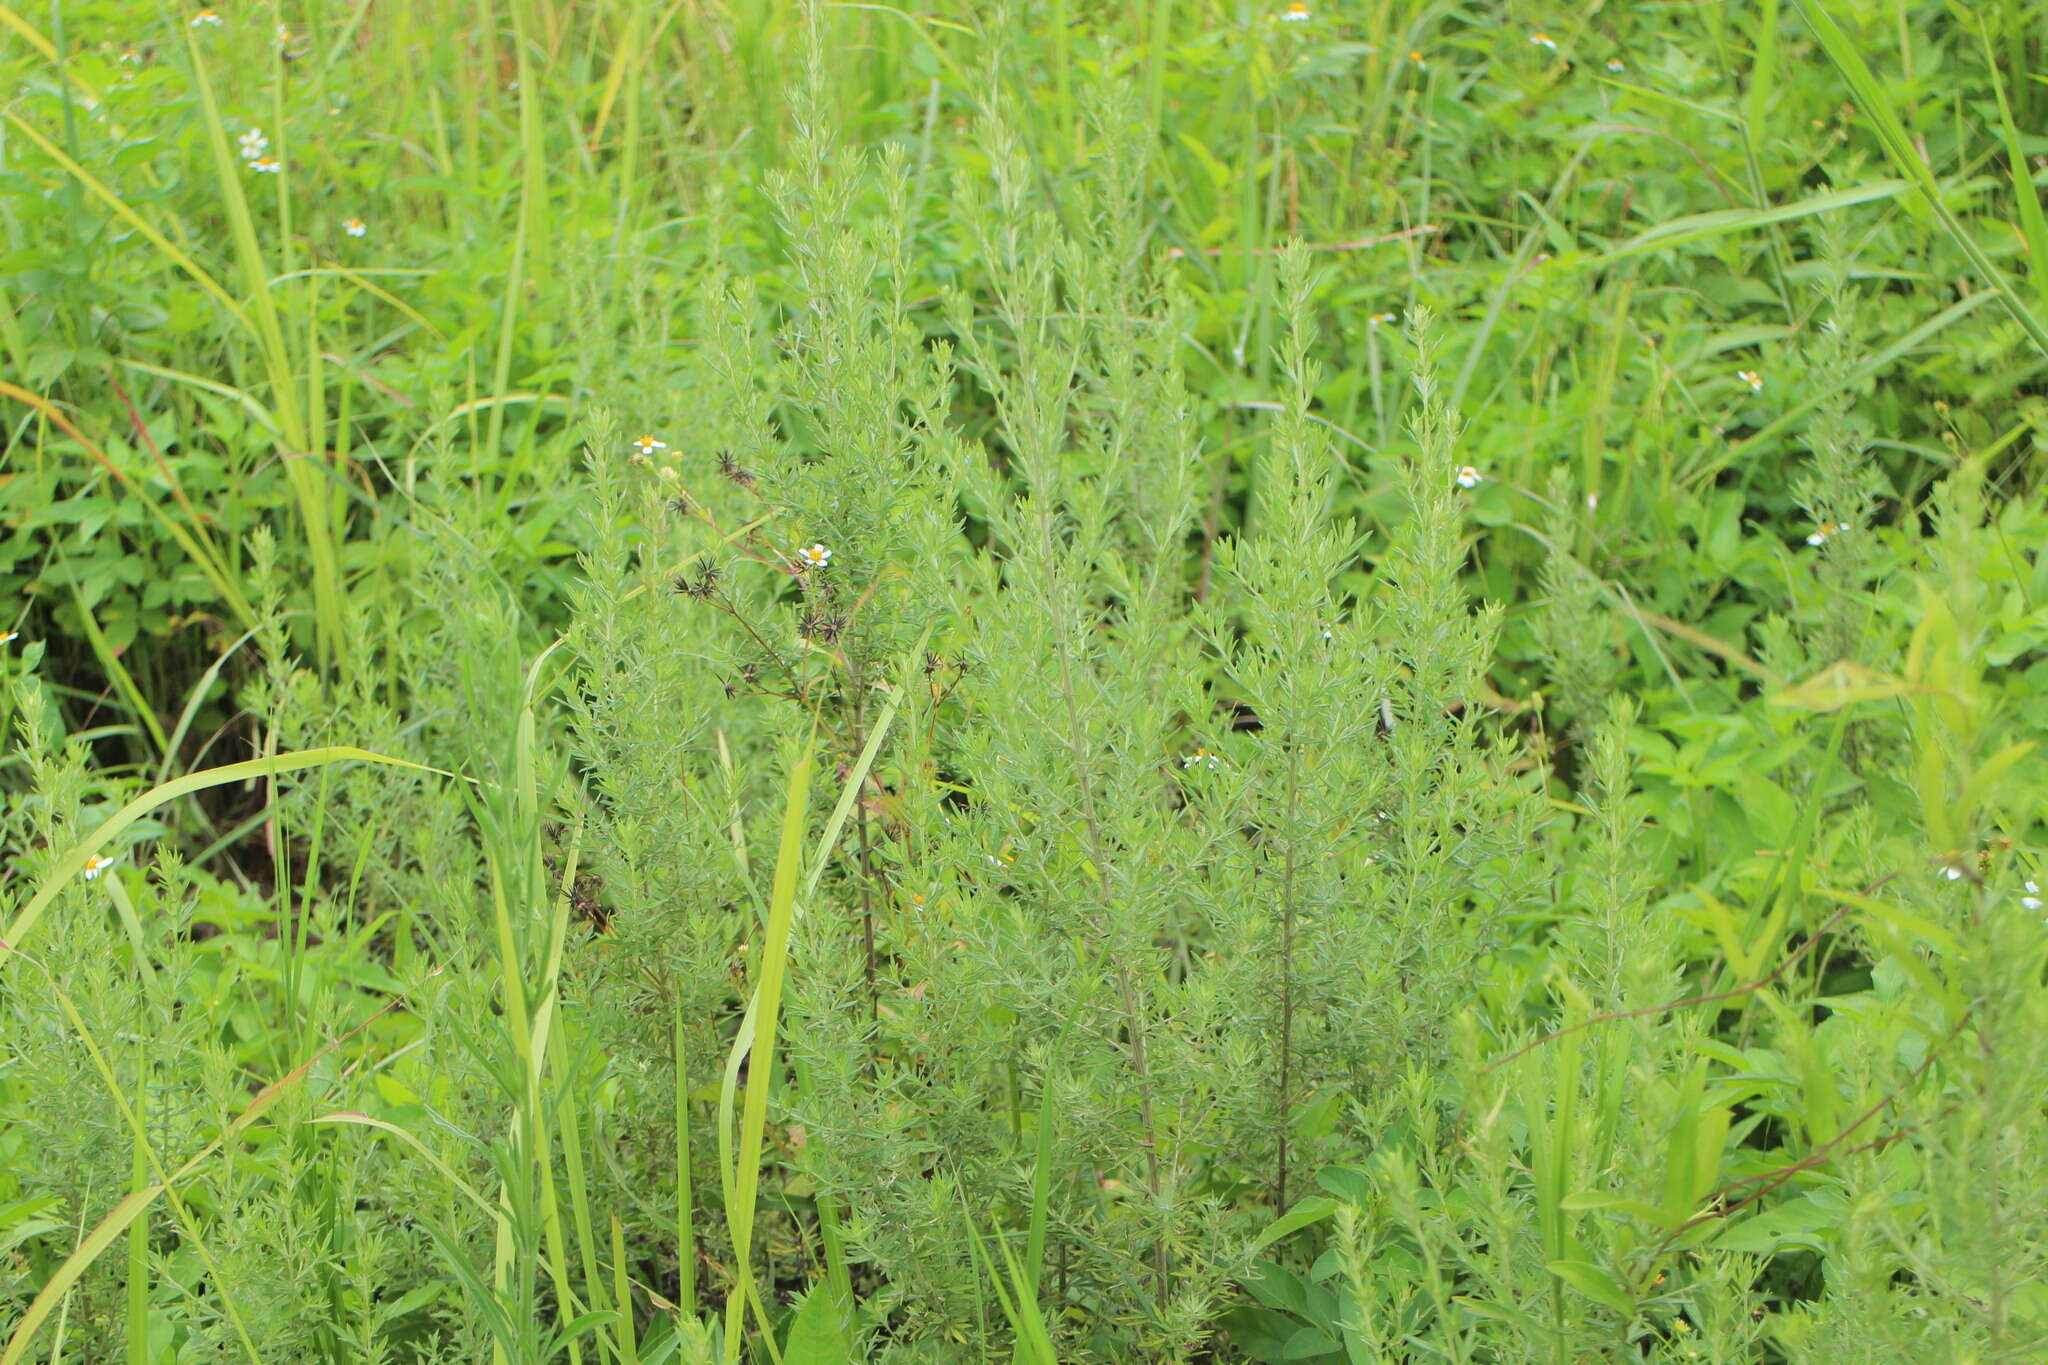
<point x="1544" y="41"/>
<point x="1328" y="634"/>
<point x="1592" y="502"/>
<point x="2032" y="900"/>
<point x="646" y="445"/>
<point x="1752" y="378"/>
<point x="253" y="144"/>
<point x="1952" y="872"/>
<point x="1420" y="63"/>
<point x="265" y="165"/>
<point x="813" y="556"/>
<point x="95" y="865"/>
<point x="354" y="227"/>
<point x="1380" y="320"/>
<point x="1614" y="65"/>
<point x="8" y="637"/>
<point x="1468" y="477"/>
<point x="1826" y="531"/>
<point x="1297" y="13"/>
<point x="206" y="18"/>
<point x="1201" y="758"/>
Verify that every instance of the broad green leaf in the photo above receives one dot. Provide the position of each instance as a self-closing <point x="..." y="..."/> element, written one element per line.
<point x="1309" y="1343"/>
<point x="1311" y="1210"/>
<point x="817" y="1334"/>
<point x="1841" y="684"/>
<point x="1595" y="1283"/>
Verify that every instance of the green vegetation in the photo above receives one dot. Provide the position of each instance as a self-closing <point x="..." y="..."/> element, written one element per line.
<point x="1043" y="682"/>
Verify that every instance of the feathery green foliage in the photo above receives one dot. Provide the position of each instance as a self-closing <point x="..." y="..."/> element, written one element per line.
<point x="809" y="683"/>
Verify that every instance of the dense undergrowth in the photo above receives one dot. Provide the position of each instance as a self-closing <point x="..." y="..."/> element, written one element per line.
<point x="1039" y="682"/>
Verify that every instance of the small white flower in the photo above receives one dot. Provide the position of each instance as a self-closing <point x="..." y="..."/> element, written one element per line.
<point x="1297" y="13"/>
<point x="265" y="165"/>
<point x="1420" y="63"/>
<point x="354" y="227"/>
<point x="1468" y="477"/>
<point x="2032" y="900"/>
<point x="1829" y="326"/>
<point x="1201" y="757"/>
<point x="1614" y="65"/>
<point x="1592" y="502"/>
<point x="1380" y="320"/>
<point x="206" y="18"/>
<point x="814" y="556"/>
<point x="8" y="637"/>
<point x="254" y="144"/>
<point x="646" y="445"/>
<point x="1544" y="41"/>
<point x="1751" y="378"/>
<point x="1826" y="531"/>
<point x="1328" y="634"/>
<point x="96" y="865"/>
<point x="1952" y="872"/>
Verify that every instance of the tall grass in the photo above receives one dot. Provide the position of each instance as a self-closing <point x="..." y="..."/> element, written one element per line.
<point x="811" y="683"/>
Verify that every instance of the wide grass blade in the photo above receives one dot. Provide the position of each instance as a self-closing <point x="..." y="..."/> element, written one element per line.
<point x="1698" y="227"/>
<point x="2033" y="227"/>
<point x="757" y="1053"/>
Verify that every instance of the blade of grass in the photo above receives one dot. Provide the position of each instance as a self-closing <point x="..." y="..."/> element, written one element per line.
<point x="192" y="701"/>
<point x="2033" y="227"/>
<point x="622" y="1294"/>
<point x="532" y="158"/>
<point x="745" y="1050"/>
<point x="686" y="1233"/>
<point x="1874" y="102"/>
<point x="745" y="1167"/>
<point x="296" y="446"/>
<point x="110" y="664"/>
<point x="1696" y="227"/>
<point x="74" y="860"/>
